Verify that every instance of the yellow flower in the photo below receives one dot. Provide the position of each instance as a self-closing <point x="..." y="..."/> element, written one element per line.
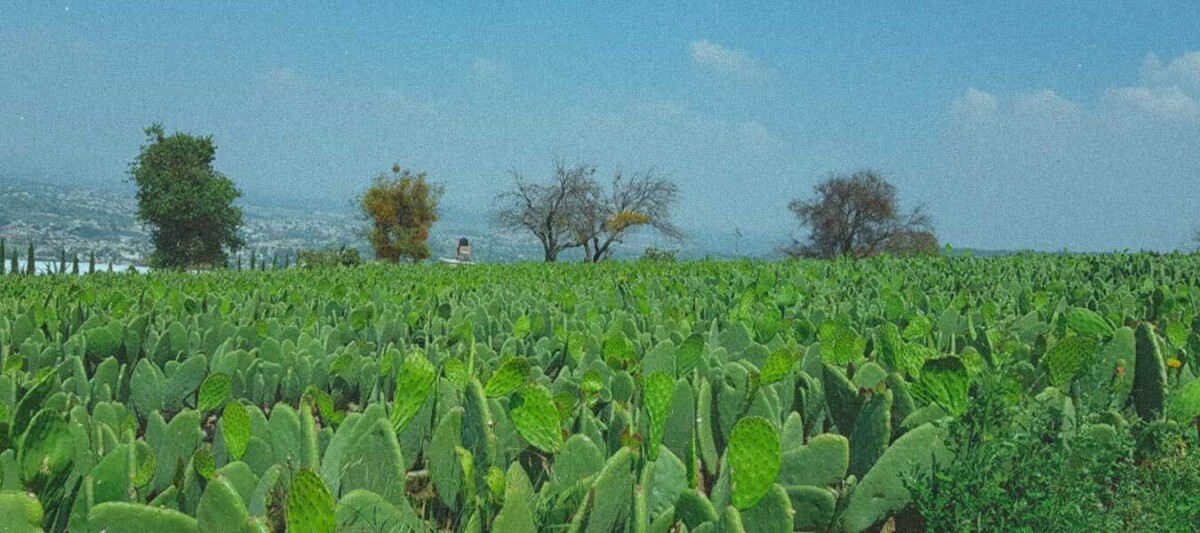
<point x="1174" y="363"/>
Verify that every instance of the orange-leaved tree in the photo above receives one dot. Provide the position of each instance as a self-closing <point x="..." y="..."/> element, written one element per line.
<point x="401" y="208"/>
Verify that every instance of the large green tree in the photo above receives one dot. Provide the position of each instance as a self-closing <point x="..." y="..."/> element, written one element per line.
<point x="187" y="204"/>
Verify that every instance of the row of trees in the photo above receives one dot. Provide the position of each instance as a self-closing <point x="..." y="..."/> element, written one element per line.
<point x="189" y="207"/>
<point x="10" y="264"/>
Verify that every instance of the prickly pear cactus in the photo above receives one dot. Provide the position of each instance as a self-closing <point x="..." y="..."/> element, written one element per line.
<point x="235" y="429"/>
<point x="872" y="432"/>
<point x="413" y="383"/>
<point x="659" y="389"/>
<point x="507" y="378"/>
<point x="754" y="460"/>
<point x="1150" y="375"/>
<point x="536" y="418"/>
<point x="214" y="392"/>
<point x="309" y="504"/>
<point x="125" y="517"/>
<point x="20" y="513"/>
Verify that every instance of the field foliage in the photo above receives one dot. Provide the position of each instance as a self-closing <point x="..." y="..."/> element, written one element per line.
<point x="954" y="393"/>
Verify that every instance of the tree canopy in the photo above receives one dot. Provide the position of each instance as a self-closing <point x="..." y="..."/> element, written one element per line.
<point x="401" y="207"/>
<point x="185" y="202"/>
<point x="856" y="215"/>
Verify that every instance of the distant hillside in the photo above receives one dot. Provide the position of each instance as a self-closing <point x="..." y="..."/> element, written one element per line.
<point x="99" y="218"/>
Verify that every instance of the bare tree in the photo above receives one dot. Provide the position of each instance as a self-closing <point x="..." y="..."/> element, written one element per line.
<point x="550" y="211"/>
<point x="607" y="218"/>
<point x="853" y="215"/>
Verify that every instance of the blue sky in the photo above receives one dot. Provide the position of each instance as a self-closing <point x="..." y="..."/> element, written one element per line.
<point x="1044" y="125"/>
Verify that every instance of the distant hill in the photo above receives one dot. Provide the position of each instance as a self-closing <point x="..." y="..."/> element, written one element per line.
<point x="99" y="218"/>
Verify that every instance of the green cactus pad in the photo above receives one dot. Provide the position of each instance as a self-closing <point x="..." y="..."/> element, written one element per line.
<point x="1150" y="375"/>
<point x="413" y="383"/>
<point x="444" y="468"/>
<point x="772" y="514"/>
<point x="363" y="511"/>
<point x="1087" y="322"/>
<point x="578" y="459"/>
<point x="309" y="504"/>
<point x="203" y="462"/>
<point x="882" y="492"/>
<point x="235" y="429"/>
<point x="869" y="375"/>
<point x="667" y="481"/>
<point x="46" y="451"/>
<point x="375" y="463"/>
<point x="221" y="508"/>
<point x="125" y="517"/>
<point x="511" y="374"/>
<point x="944" y="381"/>
<point x="694" y="508"/>
<point x="659" y="390"/>
<point x="613" y="493"/>
<point x="872" y="432"/>
<point x="536" y="418"/>
<point x="1068" y="357"/>
<point x="822" y="462"/>
<point x="688" y="354"/>
<point x="778" y="364"/>
<point x="842" y="398"/>
<point x="214" y="392"/>
<point x="813" y="507"/>
<point x="20" y="513"/>
<point x="754" y="460"/>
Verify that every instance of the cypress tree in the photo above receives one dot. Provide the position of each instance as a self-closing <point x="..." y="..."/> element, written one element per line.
<point x="30" y="267"/>
<point x="110" y="265"/>
<point x="239" y="262"/>
<point x="252" y="260"/>
<point x="62" y="261"/>
<point x="92" y="263"/>
<point x="75" y="264"/>
<point x="16" y="269"/>
<point x="3" y="255"/>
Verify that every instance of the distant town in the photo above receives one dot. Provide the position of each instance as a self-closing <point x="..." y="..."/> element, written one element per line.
<point x="86" y="219"/>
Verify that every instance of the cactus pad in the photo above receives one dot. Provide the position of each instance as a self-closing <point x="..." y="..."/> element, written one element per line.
<point x="214" y="392"/>
<point x="235" y="429"/>
<point x="511" y="374"/>
<point x="413" y="383"/>
<point x="659" y="389"/>
<point x="536" y="419"/>
<point x="309" y="504"/>
<point x="754" y="460"/>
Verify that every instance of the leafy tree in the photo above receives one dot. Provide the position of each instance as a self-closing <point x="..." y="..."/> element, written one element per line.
<point x="853" y="215"/>
<point x="401" y="208"/>
<point x="910" y="243"/>
<point x="187" y="204"/>
<point x="608" y="217"/>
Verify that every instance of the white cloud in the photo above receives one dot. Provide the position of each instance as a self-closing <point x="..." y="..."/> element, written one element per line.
<point x="1033" y="168"/>
<point x="1164" y="102"/>
<point x="1182" y="72"/>
<point x="726" y="60"/>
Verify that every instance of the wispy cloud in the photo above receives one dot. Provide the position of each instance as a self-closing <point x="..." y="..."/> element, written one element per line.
<point x="725" y="60"/>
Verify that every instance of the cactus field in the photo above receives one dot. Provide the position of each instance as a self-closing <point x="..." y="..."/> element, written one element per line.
<point x="642" y="397"/>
